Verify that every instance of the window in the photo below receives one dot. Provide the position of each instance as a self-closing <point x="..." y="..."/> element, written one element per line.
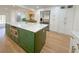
<point x="2" y="19"/>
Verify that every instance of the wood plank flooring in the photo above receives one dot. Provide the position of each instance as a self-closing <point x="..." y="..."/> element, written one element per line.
<point x="9" y="46"/>
<point x="55" y="43"/>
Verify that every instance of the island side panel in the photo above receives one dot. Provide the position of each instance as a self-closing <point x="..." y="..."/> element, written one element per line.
<point x="26" y="40"/>
<point x="8" y="30"/>
<point x="40" y="38"/>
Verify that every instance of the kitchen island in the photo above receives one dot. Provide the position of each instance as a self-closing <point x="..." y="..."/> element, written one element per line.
<point x="30" y="36"/>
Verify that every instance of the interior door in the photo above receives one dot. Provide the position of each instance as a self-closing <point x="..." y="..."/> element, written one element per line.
<point x="61" y="21"/>
<point x="54" y="19"/>
<point x="69" y="20"/>
<point x="45" y="15"/>
<point x="2" y="20"/>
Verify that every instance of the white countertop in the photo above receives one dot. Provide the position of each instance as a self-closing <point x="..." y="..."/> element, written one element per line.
<point x="34" y="27"/>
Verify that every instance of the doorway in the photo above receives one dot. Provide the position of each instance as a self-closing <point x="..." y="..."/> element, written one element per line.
<point x="2" y="20"/>
<point x="45" y="18"/>
<point x="2" y="27"/>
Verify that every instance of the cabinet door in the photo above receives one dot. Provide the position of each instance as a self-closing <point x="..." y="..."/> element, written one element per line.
<point x="13" y="33"/>
<point x="40" y="38"/>
<point x="26" y="40"/>
<point x="8" y="30"/>
<point x="16" y="39"/>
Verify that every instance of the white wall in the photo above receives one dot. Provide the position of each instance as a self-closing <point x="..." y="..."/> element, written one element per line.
<point x="13" y="16"/>
<point x="37" y="16"/>
<point x="14" y="13"/>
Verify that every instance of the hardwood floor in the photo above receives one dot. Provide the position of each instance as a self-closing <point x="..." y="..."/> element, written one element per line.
<point x="9" y="46"/>
<point x="55" y="43"/>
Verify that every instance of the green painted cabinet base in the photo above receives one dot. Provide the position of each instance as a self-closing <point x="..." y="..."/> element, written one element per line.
<point x="31" y="42"/>
<point x="26" y="40"/>
<point x="40" y="37"/>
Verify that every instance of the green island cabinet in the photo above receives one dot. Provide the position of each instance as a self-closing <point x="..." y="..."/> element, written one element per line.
<point x="31" y="42"/>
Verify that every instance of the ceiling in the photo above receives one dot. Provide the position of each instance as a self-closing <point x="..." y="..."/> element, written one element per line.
<point x="37" y="6"/>
<point x="11" y="7"/>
